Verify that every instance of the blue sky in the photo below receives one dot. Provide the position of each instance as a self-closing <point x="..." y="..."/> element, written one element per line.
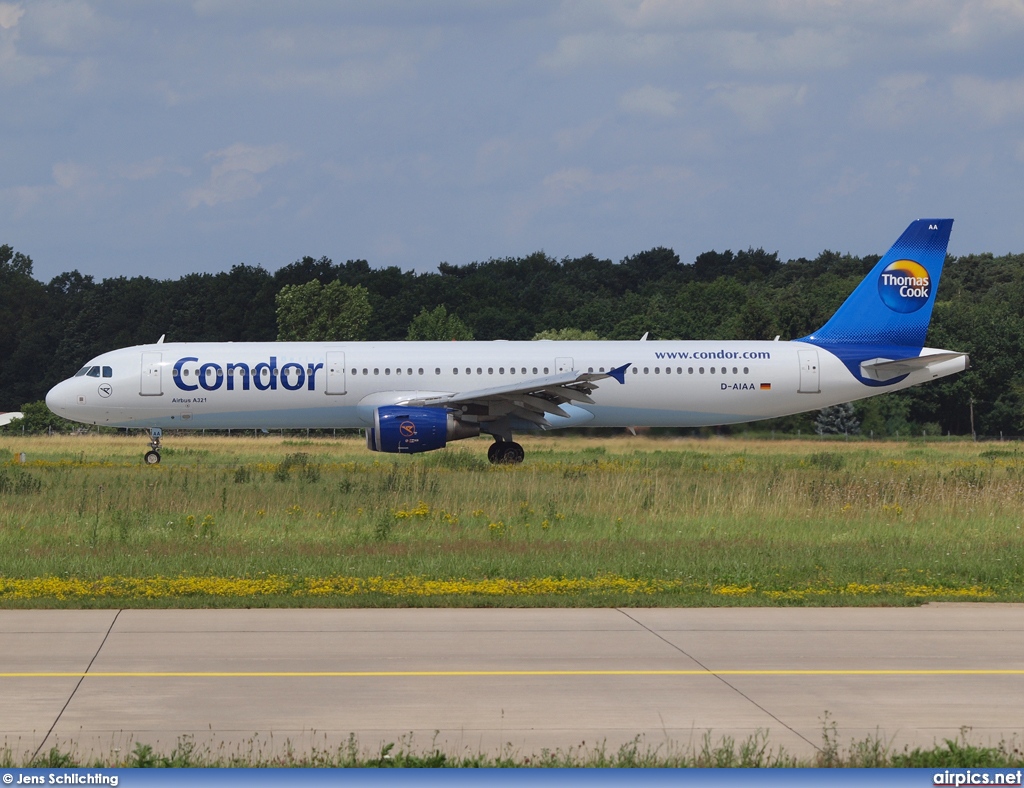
<point x="163" y="138"/>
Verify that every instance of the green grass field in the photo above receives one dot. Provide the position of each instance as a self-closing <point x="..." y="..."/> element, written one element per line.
<point x="615" y="521"/>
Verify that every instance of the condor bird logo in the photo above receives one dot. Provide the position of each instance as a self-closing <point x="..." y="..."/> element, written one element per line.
<point x="407" y="428"/>
<point x="904" y="286"/>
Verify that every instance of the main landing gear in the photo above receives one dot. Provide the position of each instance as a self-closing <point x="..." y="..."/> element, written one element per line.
<point x="505" y="453"/>
<point x="153" y="455"/>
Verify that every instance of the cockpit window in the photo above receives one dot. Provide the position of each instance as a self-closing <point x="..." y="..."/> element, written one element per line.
<point x="108" y="372"/>
<point x="81" y="372"/>
<point x="94" y="372"/>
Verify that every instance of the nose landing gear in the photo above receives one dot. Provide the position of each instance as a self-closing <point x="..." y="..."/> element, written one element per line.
<point x="153" y="455"/>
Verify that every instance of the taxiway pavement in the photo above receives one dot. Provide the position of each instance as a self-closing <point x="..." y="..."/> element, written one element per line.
<point x="478" y="680"/>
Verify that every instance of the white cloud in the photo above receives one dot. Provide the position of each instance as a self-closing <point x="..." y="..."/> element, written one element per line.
<point x="803" y="49"/>
<point x="15" y="68"/>
<point x="10" y="14"/>
<point x="575" y="138"/>
<point x="233" y="174"/>
<point x="69" y="25"/>
<point x="899" y="101"/>
<point x="649" y="100"/>
<point x="778" y="35"/>
<point x="497" y="158"/>
<point x="68" y="175"/>
<point x="348" y="79"/>
<point x="336" y="61"/>
<point x="849" y="182"/>
<point x="571" y="181"/>
<point x="993" y="101"/>
<point x="150" y="168"/>
<point x="976" y="21"/>
<point x="758" y="106"/>
<point x="582" y="49"/>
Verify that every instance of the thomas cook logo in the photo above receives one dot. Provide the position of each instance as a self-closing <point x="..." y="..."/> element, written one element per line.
<point x="904" y="286"/>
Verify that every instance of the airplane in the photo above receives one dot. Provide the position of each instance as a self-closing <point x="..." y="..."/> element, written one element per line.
<point x="412" y="397"/>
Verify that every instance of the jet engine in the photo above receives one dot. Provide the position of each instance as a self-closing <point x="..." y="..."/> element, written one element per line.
<point x="410" y="430"/>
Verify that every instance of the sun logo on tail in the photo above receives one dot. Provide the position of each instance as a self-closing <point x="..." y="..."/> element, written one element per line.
<point x="904" y="286"/>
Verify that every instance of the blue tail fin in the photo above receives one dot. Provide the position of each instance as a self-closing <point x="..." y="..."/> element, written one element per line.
<point x="893" y="305"/>
<point x="887" y="315"/>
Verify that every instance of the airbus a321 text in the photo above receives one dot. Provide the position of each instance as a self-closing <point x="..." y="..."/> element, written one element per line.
<point x="417" y="396"/>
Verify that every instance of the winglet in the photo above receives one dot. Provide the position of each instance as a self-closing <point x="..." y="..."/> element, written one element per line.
<point x="619" y="373"/>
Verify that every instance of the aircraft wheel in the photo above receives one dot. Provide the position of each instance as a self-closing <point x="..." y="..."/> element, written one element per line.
<point x="511" y="454"/>
<point x="493" y="451"/>
<point x="152" y="457"/>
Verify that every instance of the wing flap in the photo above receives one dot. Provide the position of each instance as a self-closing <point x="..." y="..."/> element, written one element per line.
<point x="529" y="399"/>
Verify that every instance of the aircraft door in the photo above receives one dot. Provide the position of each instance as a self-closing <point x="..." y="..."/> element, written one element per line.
<point x="810" y="378"/>
<point x="336" y="372"/>
<point x="152" y="375"/>
<point x="563" y="364"/>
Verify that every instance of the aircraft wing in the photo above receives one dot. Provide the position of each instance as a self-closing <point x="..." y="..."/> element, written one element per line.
<point x="887" y="369"/>
<point x="531" y="400"/>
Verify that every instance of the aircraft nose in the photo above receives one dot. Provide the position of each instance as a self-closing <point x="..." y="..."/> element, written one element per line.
<point x="56" y="399"/>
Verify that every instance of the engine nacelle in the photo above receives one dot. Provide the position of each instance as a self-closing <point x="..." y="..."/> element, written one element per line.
<point x="410" y="430"/>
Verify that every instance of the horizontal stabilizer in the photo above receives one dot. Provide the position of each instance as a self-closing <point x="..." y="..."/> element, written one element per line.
<point x="887" y="368"/>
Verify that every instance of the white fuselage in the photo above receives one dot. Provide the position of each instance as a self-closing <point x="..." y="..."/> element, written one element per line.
<point x="275" y="385"/>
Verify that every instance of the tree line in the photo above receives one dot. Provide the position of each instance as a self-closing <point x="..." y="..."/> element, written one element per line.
<point x="50" y="329"/>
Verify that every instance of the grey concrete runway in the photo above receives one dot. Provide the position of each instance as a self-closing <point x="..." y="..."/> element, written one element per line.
<point x="531" y="679"/>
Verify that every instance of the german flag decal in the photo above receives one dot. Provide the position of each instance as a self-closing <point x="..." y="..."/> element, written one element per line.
<point x="766" y="387"/>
